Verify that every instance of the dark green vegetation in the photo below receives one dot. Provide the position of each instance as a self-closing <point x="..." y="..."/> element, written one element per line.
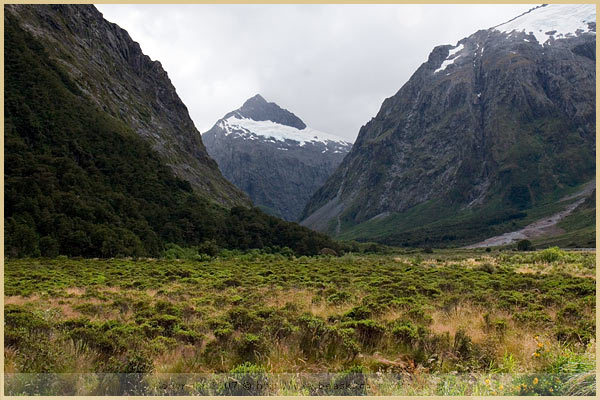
<point x="434" y="223"/>
<point x="79" y="182"/>
<point x="529" y="316"/>
<point x="123" y="82"/>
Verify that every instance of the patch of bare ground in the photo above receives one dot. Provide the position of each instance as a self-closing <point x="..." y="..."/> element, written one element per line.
<point x="75" y="291"/>
<point x="279" y="298"/>
<point x="20" y="300"/>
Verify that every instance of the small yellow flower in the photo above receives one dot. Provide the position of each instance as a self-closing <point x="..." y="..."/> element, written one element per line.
<point x="551" y="390"/>
<point x="535" y="381"/>
<point x="540" y="345"/>
<point x="536" y="338"/>
<point x="487" y="381"/>
<point x="500" y="387"/>
<point x="537" y="354"/>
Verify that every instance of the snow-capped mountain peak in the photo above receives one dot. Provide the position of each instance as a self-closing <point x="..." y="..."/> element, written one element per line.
<point x="258" y="109"/>
<point x="269" y="130"/>
<point x="258" y="119"/>
<point x="553" y="21"/>
<point x="272" y="155"/>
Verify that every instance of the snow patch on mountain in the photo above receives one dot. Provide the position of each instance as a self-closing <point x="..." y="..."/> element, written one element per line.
<point x="452" y="56"/>
<point x="554" y="21"/>
<point x="251" y="129"/>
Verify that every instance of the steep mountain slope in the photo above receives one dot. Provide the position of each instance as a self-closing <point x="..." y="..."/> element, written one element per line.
<point x="270" y="154"/>
<point x="484" y="135"/>
<point x="110" y="68"/>
<point x="80" y="182"/>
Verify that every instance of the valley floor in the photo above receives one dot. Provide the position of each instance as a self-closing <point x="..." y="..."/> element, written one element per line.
<point x="447" y="323"/>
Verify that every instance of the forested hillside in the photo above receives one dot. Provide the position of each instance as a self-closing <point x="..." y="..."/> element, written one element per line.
<point x="79" y="182"/>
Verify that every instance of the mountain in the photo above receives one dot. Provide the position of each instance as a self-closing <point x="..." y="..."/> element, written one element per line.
<point x="110" y="68"/>
<point x="80" y="181"/>
<point x="484" y="136"/>
<point x="272" y="155"/>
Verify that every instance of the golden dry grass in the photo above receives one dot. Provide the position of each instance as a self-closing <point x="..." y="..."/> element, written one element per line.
<point x="465" y="317"/>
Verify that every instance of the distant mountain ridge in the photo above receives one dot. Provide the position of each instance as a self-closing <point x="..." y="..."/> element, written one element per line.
<point x="272" y="155"/>
<point x="484" y="133"/>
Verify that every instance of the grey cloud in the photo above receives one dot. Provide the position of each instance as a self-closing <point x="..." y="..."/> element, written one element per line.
<point x="332" y="65"/>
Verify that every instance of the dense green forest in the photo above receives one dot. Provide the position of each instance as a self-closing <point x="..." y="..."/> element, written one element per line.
<point x="80" y="183"/>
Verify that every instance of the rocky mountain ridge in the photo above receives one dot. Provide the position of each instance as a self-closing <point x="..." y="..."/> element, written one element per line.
<point x="489" y="127"/>
<point x="111" y="69"/>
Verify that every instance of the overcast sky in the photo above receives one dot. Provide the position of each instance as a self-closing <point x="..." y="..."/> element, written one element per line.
<point x="331" y="65"/>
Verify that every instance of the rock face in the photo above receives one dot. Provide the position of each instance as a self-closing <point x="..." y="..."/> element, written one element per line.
<point x="271" y="155"/>
<point x="111" y="69"/>
<point x="489" y="126"/>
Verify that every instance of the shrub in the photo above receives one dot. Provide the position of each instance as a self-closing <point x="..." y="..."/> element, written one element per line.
<point x="247" y="379"/>
<point x="369" y="332"/>
<point x="168" y="323"/>
<point x="501" y="326"/>
<point x="358" y="313"/>
<point x="279" y="327"/>
<point x="405" y="332"/>
<point x="166" y="307"/>
<point x="209" y="247"/>
<point x="223" y="334"/>
<point x="318" y="340"/>
<point x="188" y="336"/>
<point x="418" y="314"/>
<point x="351" y="382"/>
<point x="550" y="255"/>
<point x="532" y="318"/>
<point x="241" y="318"/>
<point x="570" y="313"/>
<point x="462" y="346"/>
<point x="133" y="362"/>
<point x="338" y="298"/>
<point x="584" y="332"/>
<point x="21" y="323"/>
<point x="524" y="245"/>
<point x="326" y="251"/>
<point x="251" y="347"/>
<point x="312" y="329"/>
<point x="450" y="303"/>
<point x="487" y="267"/>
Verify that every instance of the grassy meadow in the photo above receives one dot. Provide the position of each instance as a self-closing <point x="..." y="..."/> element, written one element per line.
<point x="446" y="322"/>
